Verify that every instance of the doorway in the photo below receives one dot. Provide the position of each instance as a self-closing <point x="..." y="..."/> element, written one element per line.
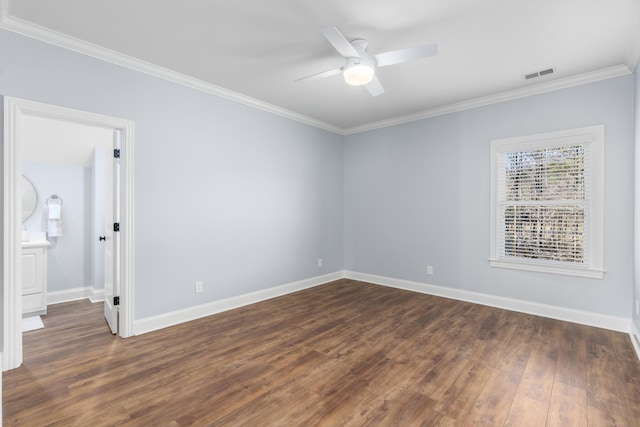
<point x="17" y="113"/>
<point x="65" y="167"/>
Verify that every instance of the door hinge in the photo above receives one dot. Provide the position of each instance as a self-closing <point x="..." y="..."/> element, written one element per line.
<point x="116" y="153"/>
<point x="116" y="300"/>
<point x="116" y="226"/>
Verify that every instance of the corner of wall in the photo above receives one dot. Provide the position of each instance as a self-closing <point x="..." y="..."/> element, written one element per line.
<point x="635" y="338"/>
<point x="635" y="316"/>
<point x="2" y="218"/>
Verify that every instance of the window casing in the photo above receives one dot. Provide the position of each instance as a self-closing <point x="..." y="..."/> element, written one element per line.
<point x="547" y="202"/>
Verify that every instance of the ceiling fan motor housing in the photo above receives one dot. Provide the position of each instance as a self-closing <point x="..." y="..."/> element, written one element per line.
<point x="359" y="71"/>
<point x="360" y="68"/>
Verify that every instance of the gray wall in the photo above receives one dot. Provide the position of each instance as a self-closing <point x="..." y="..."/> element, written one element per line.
<point x="418" y="194"/>
<point x="237" y="197"/>
<point x="2" y="229"/>
<point x="636" y="287"/>
<point x="69" y="257"/>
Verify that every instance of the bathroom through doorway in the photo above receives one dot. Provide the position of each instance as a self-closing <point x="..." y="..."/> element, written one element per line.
<point x="85" y="161"/>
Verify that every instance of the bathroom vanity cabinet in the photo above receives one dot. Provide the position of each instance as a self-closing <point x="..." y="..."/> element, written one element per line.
<point x="34" y="278"/>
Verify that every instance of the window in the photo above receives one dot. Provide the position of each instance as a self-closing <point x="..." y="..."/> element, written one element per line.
<point x="547" y="202"/>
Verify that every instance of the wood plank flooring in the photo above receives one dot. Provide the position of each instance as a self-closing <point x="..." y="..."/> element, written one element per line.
<point x="342" y="354"/>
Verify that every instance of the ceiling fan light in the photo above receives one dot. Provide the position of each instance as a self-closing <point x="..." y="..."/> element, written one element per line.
<point x="358" y="74"/>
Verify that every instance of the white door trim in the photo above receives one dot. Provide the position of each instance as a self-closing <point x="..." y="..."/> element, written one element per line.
<point x="14" y="110"/>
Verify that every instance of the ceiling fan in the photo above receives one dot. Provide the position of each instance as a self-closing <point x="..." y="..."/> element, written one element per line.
<point x="360" y="67"/>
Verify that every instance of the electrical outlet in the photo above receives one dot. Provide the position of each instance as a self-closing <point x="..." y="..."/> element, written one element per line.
<point x="319" y="262"/>
<point x="429" y="270"/>
<point x="199" y="286"/>
<point x="637" y="307"/>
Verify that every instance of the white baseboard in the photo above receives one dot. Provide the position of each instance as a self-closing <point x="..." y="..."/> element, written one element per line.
<point x="635" y="338"/>
<point x="58" y="297"/>
<point x="74" y="294"/>
<point x="173" y="318"/>
<point x="96" y="295"/>
<point x="614" y="323"/>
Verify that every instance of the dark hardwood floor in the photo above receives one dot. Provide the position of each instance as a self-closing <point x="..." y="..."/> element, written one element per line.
<point x="341" y="354"/>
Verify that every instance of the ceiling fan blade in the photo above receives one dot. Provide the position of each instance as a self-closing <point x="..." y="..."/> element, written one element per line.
<point x="321" y="75"/>
<point x="375" y="87"/>
<point x="405" y="55"/>
<point x="337" y="40"/>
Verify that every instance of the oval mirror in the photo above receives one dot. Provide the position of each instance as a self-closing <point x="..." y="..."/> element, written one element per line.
<point x="29" y="198"/>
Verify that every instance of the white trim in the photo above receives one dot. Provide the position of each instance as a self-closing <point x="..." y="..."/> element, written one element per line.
<point x="634" y="334"/>
<point x="77" y="45"/>
<point x="613" y="323"/>
<point x="75" y="294"/>
<point x="127" y="250"/>
<point x="173" y="318"/>
<point x="594" y="76"/>
<point x="14" y="110"/>
<point x="590" y="273"/>
<point x="46" y="35"/>
<point x="12" y="298"/>
<point x="95" y="295"/>
<point x="59" y="297"/>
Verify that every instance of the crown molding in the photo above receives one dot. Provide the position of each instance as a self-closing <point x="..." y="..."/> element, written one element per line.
<point x="580" y="79"/>
<point x="49" y="36"/>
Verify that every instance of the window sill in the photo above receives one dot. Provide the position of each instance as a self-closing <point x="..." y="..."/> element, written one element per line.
<point x="553" y="269"/>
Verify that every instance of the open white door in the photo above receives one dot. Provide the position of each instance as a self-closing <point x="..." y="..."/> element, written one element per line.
<point x="112" y="237"/>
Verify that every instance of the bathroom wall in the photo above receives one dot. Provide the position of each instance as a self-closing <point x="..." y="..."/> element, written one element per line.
<point x="70" y="256"/>
<point x="97" y="219"/>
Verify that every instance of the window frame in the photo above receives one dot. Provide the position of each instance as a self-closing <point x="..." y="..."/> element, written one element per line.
<point x="592" y="137"/>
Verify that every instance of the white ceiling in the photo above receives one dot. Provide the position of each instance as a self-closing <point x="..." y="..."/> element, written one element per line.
<point x="253" y="50"/>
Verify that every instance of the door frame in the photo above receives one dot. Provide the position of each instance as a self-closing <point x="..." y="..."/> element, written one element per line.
<point x="14" y="110"/>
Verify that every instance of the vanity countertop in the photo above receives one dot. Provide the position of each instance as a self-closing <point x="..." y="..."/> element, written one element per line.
<point x="36" y="244"/>
<point x="35" y="239"/>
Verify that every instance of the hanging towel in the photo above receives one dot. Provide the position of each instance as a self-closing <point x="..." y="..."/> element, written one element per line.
<point x="54" y="227"/>
<point x="54" y="211"/>
<point x="54" y="220"/>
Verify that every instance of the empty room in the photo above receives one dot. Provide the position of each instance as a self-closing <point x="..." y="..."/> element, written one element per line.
<point x="298" y="213"/>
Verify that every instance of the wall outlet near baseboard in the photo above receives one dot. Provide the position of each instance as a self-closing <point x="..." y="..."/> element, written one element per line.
<point x="199" y="286"/>
<point x="638" y="308"/>
<point x="320" y="262"/>
<point x="429" y="270"/>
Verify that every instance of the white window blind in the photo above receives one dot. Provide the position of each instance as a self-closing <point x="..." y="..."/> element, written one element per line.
<point x="543" y="208"/>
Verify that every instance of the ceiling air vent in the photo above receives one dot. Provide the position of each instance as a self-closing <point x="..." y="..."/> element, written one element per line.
<point x="538" y="74"/>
